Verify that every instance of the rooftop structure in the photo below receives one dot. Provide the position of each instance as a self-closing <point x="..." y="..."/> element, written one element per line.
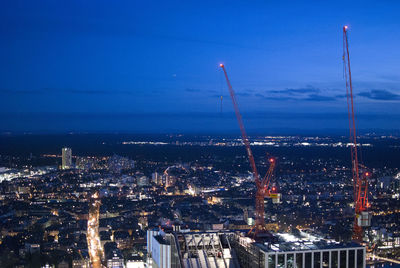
<point x="192" y="249"/>
<point x="300" y="250"/>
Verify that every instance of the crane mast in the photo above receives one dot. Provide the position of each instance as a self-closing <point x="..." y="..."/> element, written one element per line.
<point x="360" y="181"/>
<point x="262" y="185"/>
<point x="242" y="129"/>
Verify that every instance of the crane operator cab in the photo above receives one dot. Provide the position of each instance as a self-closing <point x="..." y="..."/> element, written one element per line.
<point x="274" y="194"/>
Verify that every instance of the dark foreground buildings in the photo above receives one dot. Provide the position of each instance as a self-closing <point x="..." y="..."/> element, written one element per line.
<point x="234" y="249"/>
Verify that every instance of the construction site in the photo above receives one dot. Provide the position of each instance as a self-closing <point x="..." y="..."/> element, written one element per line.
<point x="261" y="247"/>
<point x="200" y="134"/>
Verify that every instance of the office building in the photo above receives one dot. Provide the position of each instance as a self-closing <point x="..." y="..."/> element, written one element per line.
<point x="66" y="158"/>
<point x="303" y="250"/>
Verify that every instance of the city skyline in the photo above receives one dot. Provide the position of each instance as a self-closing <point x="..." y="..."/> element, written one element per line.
<point x="175" y="134"/>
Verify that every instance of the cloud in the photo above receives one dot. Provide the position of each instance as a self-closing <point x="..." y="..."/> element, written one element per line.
<point x="97" y="92"/>
<point x="296" y="91"/>
<point x="341" y="96"/>
<point x="317" y="97"/>
<point x="275" y="98"/>
<point x="169" y="115"/>
<point x="302" y="97"/>
<point x="391" y="78"/>
<point x="307" y="93"/>
<point x="217" y="96"/>
<point x="380" y="94"/>
<point x="192" y="89"/>
<point x="243" y="94"/>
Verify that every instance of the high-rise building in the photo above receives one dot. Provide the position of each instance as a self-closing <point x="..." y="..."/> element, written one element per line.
<point x="172" y="249"/>
<point x="223" y="248"/>
<point x="157" y="178"/>
<point x="66" y="158"/>
<point x="142" y="181"/>
<point x="301" y="250"/>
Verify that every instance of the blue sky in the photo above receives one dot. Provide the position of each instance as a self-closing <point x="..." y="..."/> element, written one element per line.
<point x="152" y="66"/>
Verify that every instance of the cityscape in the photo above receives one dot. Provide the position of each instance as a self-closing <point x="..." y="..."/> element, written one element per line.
<point x="199" y="135"/>
<point x="60" y="208"/>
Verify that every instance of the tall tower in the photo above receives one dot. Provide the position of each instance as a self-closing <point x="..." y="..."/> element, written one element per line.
<point x="66" y="158"/>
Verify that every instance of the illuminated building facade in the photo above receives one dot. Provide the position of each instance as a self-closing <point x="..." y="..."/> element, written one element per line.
<point x="300" y="251"/>
<point x="66" y="158"/>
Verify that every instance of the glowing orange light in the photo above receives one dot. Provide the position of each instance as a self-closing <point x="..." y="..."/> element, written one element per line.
<point x="366" y="173"/>
<point x="221" y="65"/>
<point x="345" y="27"/>
<point x="271" y="160"/>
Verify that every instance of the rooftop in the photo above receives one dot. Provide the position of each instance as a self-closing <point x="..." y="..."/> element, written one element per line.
<point x="161" y="240"/>
<point x="303" y="241"/>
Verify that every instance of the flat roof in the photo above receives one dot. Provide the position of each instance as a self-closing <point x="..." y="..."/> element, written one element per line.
<point x="303" y="242"/>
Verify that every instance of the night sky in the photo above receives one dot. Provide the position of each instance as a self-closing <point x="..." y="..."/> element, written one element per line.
<point x="152" y="66"/>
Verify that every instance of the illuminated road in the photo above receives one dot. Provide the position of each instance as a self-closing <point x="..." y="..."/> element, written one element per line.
<point x="93" y="239"/>
<point x="384" y="259"/>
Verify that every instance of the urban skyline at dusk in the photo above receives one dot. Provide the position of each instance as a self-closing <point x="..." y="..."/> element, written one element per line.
<point x="199" y="134"/>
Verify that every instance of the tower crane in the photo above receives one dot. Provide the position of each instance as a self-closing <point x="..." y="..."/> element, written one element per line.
<point x="261" y="184"/>
<point x="359" y="173"/>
